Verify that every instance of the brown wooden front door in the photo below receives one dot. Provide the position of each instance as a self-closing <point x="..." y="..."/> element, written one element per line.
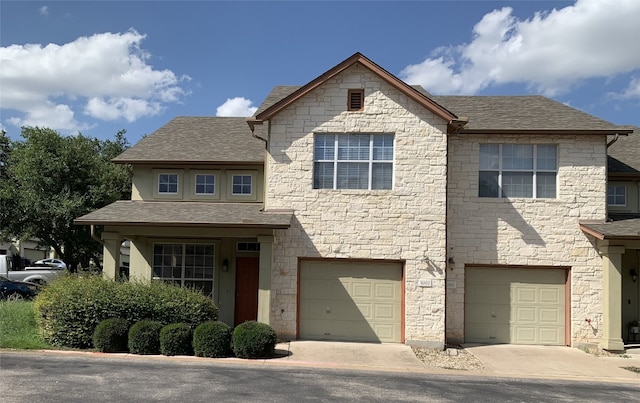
<point x="247" y="276"/>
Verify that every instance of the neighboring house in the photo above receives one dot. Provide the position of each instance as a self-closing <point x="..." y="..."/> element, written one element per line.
<point x="359" y="208"/>
<point x="27" y="249"/>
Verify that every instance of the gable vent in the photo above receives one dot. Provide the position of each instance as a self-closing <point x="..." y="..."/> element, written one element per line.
<point x="356" y="100"/>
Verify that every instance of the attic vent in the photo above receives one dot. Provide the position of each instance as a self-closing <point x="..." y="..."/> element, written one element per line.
<point x="356" y="100"/>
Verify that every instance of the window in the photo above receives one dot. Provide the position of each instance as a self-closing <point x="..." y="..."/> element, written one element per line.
<point x="617" y="195"/>
<point x="248" y="247"/>
<point x="187" y="265"/>
<point x="353" y="161"/>
<point x="518" y="170"/>
<point x="241" y="185"/>
<point x="205" y="184"/>
<point x="168" y="183"/>
<point x="355" y="101"/>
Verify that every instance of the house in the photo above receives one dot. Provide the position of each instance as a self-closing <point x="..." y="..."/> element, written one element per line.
<point x="357" y="207"/>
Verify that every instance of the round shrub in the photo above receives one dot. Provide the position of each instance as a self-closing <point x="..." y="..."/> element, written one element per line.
<point x="176" y="339"/>
<point x="212" y="339"/>
<point x="254" y="340"/>
<point x="144" y="337"/>
<point x="110" y="336"/>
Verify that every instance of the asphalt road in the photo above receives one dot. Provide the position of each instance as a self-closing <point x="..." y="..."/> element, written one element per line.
<point x="50" y="377"/>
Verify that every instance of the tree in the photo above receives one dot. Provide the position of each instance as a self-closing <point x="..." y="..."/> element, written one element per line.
<point x="53" y="179"/>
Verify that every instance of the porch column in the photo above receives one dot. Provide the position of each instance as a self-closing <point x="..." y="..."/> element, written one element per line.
<point x="612" y="294"/>
<point x="264" y="283"/>
<point x="111" y="255"/>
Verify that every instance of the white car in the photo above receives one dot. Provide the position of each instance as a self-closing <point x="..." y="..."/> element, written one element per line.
<point x="52" y="263"/>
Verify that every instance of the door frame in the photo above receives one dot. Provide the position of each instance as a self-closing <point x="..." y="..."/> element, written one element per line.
<point x="253" y="268"/>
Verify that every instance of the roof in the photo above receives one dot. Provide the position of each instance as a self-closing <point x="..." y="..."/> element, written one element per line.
<point x="622" y="229"/>
<point x="199" y="140"/>
<point x="187" y="214"/>
<point x="624" y="155"/>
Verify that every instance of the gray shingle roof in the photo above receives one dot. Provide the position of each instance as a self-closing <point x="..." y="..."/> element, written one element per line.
<point x="622" y="229"/>
<point x="188" y="139"/>
<point x="163" y="213"/>
<point x="624" y="154"/>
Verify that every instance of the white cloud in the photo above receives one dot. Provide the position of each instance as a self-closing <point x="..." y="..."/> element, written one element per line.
<point x="237" y="106"/>
<point x="109" y="71"/>
<point x="44" y="10"/>
<point x="551" y="52"/>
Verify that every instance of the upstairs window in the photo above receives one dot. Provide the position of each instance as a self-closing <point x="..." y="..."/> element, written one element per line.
<point x="518" y="170"/>
<point x="617" y="195"/>
<point x="241" y="185"/>
<point x="205" y="184"/>
<point x="355" y="100"/>
<point x="353" y="161"/>
<point x="168" y="183"/>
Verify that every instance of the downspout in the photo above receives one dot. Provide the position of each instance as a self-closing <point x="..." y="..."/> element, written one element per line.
<point x="252" y="125"/>
<point x="613" y="140"/>
<point x="94" y="236"/>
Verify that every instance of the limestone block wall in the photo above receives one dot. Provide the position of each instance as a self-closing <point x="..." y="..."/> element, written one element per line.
<point x="530" y="232"/>
<point x="405" y="223"/>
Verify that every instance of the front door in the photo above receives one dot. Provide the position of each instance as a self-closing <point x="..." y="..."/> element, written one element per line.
<point x="247" y="276"/>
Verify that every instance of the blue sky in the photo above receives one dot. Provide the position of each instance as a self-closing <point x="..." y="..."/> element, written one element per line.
<point x="98" y="67"/>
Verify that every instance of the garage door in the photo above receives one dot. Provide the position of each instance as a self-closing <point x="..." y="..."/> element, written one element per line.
<point x="350" y="301"/>
<point x="517" y="306"/>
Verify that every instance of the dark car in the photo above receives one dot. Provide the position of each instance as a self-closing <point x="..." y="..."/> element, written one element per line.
<point x="16" y="290"/>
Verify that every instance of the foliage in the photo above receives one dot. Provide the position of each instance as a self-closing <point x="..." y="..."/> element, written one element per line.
<point x="212" y="339"/>
<point x="49" y="180"/>
<point x="254" y="340"/>
<point x="144" y="337"/>
<point x="70" y="307"/>
<point x="176" y="339"/>
<point x="18" y="326"/>
<point x="110" y="336"/>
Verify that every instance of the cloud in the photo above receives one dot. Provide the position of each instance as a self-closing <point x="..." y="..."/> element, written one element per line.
<point x="44" y="10"/>
<point x="237" y="106"/>
<point x="106" y="76"/>
<point x="551" y="52"/>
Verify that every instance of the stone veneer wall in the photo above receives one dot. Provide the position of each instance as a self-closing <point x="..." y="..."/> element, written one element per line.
<point x="406" y="223"/>
<point x="527" y="231"/>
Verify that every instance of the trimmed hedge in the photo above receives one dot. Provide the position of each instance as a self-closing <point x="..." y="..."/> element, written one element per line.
<point x="144" y="337"/>
<point x="254" y="340"/>
<point x="70" y="307"/>
<point x="176" y="339"/>
<point x="110" y="336"/>
<point x="212" y="339"/>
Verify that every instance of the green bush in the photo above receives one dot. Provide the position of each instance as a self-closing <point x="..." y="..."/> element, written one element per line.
<point x="110" y="336"/>
<point x="254" y="340"/>
<point x="212" y="339"/>
<point x="144" y="337"/>
<point x="176" y="339"/>
<point x="70" y="307"/>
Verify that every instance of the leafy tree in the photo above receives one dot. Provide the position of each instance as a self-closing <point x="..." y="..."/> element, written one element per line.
<point x="51" y="179"/>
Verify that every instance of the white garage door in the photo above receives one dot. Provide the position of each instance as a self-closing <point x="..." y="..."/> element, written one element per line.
<point x="517" y="306"/>
<point x="350" y="301"/>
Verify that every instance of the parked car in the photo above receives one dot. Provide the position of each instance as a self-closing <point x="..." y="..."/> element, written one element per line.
<point x="16" y="290"/>
<point x="39" y="274"/>
<point x="51" y="263"/>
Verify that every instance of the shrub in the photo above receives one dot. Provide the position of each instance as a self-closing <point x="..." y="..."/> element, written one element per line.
<point x="110" y="336"/>
<point x="70" y="307"/>
<point x="254" y="340"/>
<point x="144" y="337"/>
<point x="176" y="339"/>
<point x="212" y="339"/>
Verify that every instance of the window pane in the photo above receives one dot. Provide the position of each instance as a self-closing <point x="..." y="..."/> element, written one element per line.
<point x="241" y="185"/>
<point x="488" y="184"/>
<point x="168" y="183"/>
<point x="517" y="184"/>
<point x="383" y="147"/>
<point x="489" y="156"/>
<point x="546" y="186"/>
<point x="353" y="147"/>
<point x="547" y="157"/>
<point x="353" y="175"/>
<point x="517" y="156"/>
<point x="616" y="195"/>
<point x="382" y="174"/>
<point x="323" y="175"/>
<point x="205" y="184"/>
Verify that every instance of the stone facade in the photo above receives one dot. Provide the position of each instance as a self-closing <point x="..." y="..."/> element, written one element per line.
<point x="529" y="232"/>
<point x="406" y="223"/>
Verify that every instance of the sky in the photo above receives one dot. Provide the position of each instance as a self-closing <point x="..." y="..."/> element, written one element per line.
<point x="95" y="67"/>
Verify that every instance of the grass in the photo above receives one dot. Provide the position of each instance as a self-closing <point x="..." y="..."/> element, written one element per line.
<point x="18" y="326"/>
<point x="633" y="369"/>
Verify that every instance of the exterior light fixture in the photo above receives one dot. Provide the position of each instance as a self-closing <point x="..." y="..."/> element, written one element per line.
<point x="634" y="274"/>
<point x="225" y="265"/>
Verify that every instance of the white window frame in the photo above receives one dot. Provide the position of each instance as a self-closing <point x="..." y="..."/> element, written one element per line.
<point x="242" y="196"/>
<point x="616" y="194"/>
<point x="370" y="161"/>
<point x="182" y="280"/>
<point x="534" y="171"/>
<point x="168" y="174"/>
<point x="195" y="184"/>
<point x="240" y="175"/>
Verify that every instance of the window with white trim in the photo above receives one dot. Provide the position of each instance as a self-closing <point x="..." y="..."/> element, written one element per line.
<point x="186" y="264"/>
<point x="241" y="185"/>
<point x="205" y="184"/>
<point x="353" y="161"/>
<point x="168" y="183"/>
<point x="617" y="195"/>
<point x="518" y="170"/>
